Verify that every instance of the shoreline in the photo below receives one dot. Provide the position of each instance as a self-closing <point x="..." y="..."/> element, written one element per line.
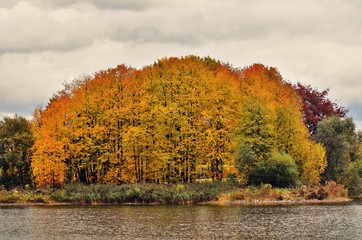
<point x="277" y="202"/>
<point x="255" y="203"/>
<point x="221" y="194"/>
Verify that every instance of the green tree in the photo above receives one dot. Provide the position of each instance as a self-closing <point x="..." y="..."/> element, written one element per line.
<point x="279" y="170"/>
<point x="271" y="122"/>
<point x="16" y="139"/>
<point x="256" y="127"/>
<point x="244" y="161"/>
<point x="341" y="141"/>
<point x="352" y="178"/>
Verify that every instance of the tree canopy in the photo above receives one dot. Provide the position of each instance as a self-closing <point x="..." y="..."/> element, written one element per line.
<point x="317" y="106"/>
<point x="341" y="141"/>
<point x="16" y="140"/>
<point x="178" y="120"/>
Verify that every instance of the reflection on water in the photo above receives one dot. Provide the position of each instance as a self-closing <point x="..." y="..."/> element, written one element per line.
<point x="182" y="222"/>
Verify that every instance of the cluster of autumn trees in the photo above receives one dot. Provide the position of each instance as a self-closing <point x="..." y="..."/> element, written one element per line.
<point x="183" y="120"/>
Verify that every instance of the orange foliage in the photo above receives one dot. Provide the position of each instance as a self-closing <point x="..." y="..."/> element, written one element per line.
<point x="174" y="121"/>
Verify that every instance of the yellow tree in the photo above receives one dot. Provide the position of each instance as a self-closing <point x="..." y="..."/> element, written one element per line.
<point x="272" y="122"/>
<point x="51" y="143"/>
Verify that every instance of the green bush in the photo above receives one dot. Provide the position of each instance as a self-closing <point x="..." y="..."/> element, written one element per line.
<point x="279" y="170"/>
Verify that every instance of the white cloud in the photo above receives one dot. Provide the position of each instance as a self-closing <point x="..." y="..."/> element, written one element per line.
<point x="358" y="125"/>
<point x="6" y="114"/>
<point x="27" y="28"/>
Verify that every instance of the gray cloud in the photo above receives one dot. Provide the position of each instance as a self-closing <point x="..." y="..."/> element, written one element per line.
<point x="67" y="26"/>
<point x="27" y="28"/>
<point x="44" y="43"/>
<point x="9" y="3"/>
<point x="102" y="4"/>
<point x="124" y="4"/>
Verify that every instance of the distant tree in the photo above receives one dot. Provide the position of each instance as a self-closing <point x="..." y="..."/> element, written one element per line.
<point x="16" y="139"/>
<point x="341" y="141"/>
<point x="317" y="106"/>
<point x="352" y="178"/>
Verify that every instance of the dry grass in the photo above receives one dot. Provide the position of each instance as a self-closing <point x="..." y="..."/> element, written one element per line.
<point x="266" y="193"/>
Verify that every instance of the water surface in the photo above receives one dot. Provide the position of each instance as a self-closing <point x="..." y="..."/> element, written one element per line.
<point x="343" y="221"/>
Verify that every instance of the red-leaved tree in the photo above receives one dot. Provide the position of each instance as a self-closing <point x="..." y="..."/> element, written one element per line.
<point x="317" y="106"/>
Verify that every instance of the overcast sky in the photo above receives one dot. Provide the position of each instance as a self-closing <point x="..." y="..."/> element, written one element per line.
<point x="44" y="43"/>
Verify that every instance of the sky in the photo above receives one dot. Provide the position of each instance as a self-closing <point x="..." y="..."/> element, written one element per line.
<point x="45" y="43"/>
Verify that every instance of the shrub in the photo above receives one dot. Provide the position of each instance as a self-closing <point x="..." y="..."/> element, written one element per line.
<point x="237" y="195"/>
<point x="279" y="170"/>
<point x="335" y="190"/>
<point x="266" y="189"/>
<point x="9" y="197"/>
<point x="319" y="194"/>
<point x="322" y="194"/>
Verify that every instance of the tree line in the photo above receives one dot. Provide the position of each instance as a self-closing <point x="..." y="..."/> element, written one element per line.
<point x="182" y="120"/>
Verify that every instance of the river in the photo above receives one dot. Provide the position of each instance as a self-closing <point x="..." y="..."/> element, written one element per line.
<point x="337" y="221"/>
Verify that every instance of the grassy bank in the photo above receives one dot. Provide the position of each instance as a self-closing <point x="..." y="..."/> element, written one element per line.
<point x="265" y="194"/>
<point x="182" y="194"/>
<point x="122" y="194"/>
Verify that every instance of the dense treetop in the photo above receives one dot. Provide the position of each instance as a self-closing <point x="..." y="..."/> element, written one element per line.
<point x="178" y="120"/>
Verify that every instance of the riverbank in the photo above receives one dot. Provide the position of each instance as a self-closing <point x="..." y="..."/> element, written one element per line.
<point x="277" y="202"/>
<point x="175" y="194"/>
<point x="208" y="203"/>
